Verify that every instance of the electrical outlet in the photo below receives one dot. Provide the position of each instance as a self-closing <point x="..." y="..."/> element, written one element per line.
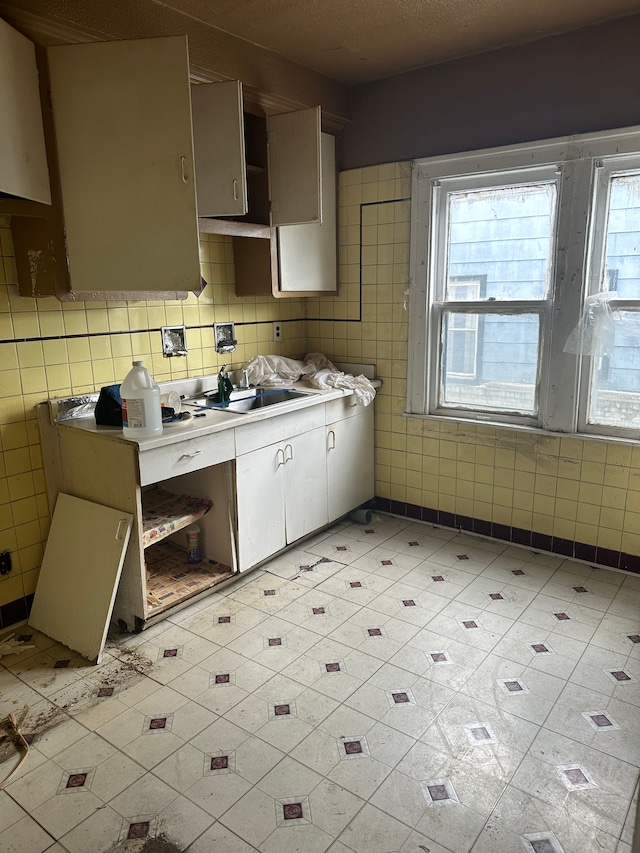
<point x="277" y="331"/>
<point x="5" y="562"/>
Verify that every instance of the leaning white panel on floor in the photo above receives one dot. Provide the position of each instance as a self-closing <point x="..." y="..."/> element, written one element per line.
<point x="80" y="573"/>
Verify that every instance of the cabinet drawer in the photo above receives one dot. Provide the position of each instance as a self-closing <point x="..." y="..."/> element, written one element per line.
<point x="271" y="430"/>
<point x="344" y="407"/>
<point x="185" y="456"/>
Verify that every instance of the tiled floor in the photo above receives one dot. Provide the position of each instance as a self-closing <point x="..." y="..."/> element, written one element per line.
<point x="394" y="688"/>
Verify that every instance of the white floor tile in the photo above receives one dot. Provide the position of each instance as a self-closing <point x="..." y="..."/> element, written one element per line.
<point x="400" y="688"/>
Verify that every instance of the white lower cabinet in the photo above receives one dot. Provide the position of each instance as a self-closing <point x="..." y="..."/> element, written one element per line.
<point x="350" y="466"/>
<point x="281" y="494"/>
<point x="253" y="489"/>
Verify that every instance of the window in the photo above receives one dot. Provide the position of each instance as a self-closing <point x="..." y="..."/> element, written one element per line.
<point x="513" y="249"/>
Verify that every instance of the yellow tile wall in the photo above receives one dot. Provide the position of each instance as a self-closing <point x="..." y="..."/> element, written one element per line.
<point x="579" y="489"/>
<point x="84" y="351"/>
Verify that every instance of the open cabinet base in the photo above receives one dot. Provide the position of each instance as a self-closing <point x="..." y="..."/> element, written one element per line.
<point x="171" y="579"/>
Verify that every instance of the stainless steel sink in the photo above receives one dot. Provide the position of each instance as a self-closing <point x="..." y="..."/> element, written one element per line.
<point x="250" y="400"/>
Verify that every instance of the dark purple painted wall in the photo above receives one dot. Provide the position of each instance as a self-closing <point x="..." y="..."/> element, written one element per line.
<point x="584" y="81"/>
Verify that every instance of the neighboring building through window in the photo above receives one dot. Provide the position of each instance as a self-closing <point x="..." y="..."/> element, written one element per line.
<point x="509" y="247"/>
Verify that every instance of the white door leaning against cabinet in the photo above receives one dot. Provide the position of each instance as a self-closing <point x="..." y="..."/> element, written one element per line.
<point x="122" y="114"/>
<point x="79" y="576"/>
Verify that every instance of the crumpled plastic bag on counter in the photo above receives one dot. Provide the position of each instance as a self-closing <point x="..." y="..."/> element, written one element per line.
<point x="316" y="369"/>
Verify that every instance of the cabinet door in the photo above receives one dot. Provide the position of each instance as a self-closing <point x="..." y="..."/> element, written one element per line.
<point x="218" y="145"/>
<point x="294" y="167"/>
<point x="80" y="573"/>
<point x="307" y="253"/>
<point x="350" y="466"/>
<point x="261" y="513"/>
<point x="305" y="483"/>
<point x="23" y="159"/>
<point x="122" y="114"/>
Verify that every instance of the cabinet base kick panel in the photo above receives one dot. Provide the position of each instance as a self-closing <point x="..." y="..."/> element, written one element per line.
<point x="170" y="578"/>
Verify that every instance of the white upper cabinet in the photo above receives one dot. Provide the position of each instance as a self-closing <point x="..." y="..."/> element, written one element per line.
<point x="23" y="160"/>
<point x="218" y="144"/>
<point x="264" y="171"/>
<point x="122" y="115"/>
<point x="294" y="167"/>
<point x="307" y="254"/>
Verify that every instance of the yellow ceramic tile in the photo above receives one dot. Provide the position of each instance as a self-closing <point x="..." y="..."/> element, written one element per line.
<point x="29" y="581"/>
<point x="608" y="538"/>
<point x="30" y="353"/>
<point x="523" y="500"/>
<point x="587" y="533"/>
<point x="592" y="472"/>
<point x="14" y="435"/>
<point x="564" y="528"/>
<point x="618" y="454"/>
<point x="81" y="376"/>
<point x="10" y="589"/>
<point x="502" y="496"/>
<point x="631" y="543"/>
<point x="58" y="379"/>
<point x="571" y="448"/>
<point x="614" y="498"/>
<point x="590" y="493"/>
<point x="594" y="451"/>
<point x="542" y="523"/>
<point x="545" y="485"/>
<point x="6" y="517"/>
<point x="612" y="518"/>
<point x="75" y="322"/>
<point x="17" y="461"/>
<point x="616" y="476"/>
<point x="566" y="508"/>
<point x="55" y="352"/>
<point x="567" y="489"/>
<point x="33" y="379"/>
<point x="522" y="518"/>
<point x="26" y="325"/>
<point x="31" y="558"/>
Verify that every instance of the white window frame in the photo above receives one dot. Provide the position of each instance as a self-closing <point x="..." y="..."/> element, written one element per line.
<point x="577" y="161"/>
<point x="604" y="169"/>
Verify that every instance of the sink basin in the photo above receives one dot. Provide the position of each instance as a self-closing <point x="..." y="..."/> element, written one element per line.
<point x="250" y="400"/>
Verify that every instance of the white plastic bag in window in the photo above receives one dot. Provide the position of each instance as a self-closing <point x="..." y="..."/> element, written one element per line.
<point x="595" y="332"/>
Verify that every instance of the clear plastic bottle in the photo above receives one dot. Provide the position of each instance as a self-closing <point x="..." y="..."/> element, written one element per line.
<point x="141" y="409"/>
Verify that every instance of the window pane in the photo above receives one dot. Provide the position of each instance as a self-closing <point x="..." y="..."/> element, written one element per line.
<point x="490" y="361"/>
<point x="615" y="390"/>
<point x="503" y="238"/>
<point x="622" y="247"/>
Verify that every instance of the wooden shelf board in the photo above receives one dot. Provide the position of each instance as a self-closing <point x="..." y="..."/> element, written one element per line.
<point x="171" y="579"/>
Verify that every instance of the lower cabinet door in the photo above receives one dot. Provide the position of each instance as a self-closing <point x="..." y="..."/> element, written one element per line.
<point x="281" y="494"/>
<point x="305" y="483"/>
<point x="350" y="469"/>
<point x="261" y="508"/>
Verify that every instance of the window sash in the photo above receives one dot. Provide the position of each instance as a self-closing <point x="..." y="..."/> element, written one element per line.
<point x="575" y="160"/>
<point x="605" y="170"/>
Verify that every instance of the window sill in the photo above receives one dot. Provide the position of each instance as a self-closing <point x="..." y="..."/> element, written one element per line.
<point x="531" y="430"/>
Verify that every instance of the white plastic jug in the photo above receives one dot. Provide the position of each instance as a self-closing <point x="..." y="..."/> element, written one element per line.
<point x="141" y="409"/>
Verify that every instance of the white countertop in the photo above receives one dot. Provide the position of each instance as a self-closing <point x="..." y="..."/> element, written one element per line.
<point x="214" y="420"/>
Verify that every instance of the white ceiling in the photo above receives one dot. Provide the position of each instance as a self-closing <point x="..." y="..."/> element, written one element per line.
<point x="354" y="41"/>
